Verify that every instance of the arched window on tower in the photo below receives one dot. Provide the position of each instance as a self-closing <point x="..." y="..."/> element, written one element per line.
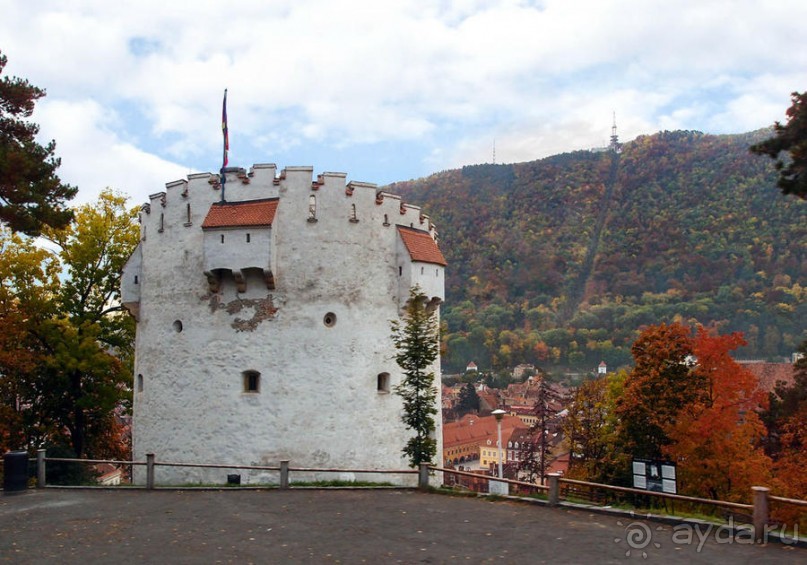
<point x="382" y="383"/>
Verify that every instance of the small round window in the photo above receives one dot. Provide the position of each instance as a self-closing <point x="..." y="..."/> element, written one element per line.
<point x="177" y="326"/>
<point x="329" y="320"/>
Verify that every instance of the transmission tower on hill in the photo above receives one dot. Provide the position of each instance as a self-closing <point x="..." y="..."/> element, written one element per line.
<point x="615" y="146"/>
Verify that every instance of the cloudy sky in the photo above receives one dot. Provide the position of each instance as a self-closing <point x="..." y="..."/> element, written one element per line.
<point x="388" y="90"/>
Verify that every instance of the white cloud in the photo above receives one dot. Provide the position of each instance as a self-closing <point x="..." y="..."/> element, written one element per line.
<point x="98" y="158"/>
<point x="452" y="75"/>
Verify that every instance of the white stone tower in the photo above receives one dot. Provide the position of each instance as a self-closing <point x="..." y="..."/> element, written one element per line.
<point x="263" y="321"/>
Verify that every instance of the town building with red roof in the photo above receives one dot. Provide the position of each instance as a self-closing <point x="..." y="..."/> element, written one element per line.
<point x="465" y="440"/>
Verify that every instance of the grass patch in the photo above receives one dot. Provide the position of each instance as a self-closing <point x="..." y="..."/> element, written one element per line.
<point x="537" y="496"/>
<point x="338" y="483"/>
<point x="717" y="517"/>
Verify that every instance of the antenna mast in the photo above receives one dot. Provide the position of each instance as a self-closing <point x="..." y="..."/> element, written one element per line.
<point x="615" y="146"/>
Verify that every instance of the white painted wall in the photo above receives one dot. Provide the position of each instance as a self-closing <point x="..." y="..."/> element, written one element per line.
<point x="238" y="248"/>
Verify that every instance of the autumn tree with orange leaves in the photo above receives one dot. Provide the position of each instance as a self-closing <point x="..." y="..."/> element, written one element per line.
<point x="716" y="438"/>
<point x="658" y="388"/>
<point x="688" y="401"/>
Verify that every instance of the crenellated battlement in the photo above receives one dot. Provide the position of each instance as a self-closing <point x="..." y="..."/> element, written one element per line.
<point x="184" y="202"/>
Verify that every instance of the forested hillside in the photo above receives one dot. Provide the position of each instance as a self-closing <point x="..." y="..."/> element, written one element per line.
<point x="561" y="261"/>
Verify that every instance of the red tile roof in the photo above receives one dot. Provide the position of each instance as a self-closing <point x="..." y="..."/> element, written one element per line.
<point x="771" y="373"/>
<point x="421" y="246"/>
<point x="248" y="213"/>
<point x="478" y="429"/>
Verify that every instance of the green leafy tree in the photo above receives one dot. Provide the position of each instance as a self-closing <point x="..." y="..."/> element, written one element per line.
<point x="28" y="285"/>
<point x="590" y="428"/>
<point x="75" y="338"/>
<point x="417" y="342"/>
<point x="468" y="400"/>
<point x="31" y="194"/>
<point x="787" y="422"/>
<point x="93" y="251"/>
<point x="790" y="138"/>
<point x="496" y="379"/>
<point x="787" y="400"/>
<point x="92" y="360"/>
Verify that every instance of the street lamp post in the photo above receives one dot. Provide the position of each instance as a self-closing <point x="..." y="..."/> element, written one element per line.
<point x="499" y="413"/>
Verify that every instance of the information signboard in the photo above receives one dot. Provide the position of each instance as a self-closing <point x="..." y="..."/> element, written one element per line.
<point x="653" y="475"/>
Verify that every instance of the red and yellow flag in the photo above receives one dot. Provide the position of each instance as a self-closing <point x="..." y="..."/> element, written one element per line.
<point x="224" y="130"/>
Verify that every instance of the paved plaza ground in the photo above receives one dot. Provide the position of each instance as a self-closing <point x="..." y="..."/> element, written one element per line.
<point x="341" y="526"/>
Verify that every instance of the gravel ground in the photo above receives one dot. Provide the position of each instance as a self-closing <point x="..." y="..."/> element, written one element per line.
<point x="342" y="526"/>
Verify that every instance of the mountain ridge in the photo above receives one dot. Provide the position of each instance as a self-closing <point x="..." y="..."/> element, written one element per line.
<point x="561" y="260"/>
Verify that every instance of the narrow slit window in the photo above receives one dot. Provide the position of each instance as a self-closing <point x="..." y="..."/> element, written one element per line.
<point x="162" y="222"/>
<point x="188" y="216"/>
<point x="222" y="238"/>
<point x="353" y="217"/>
<point x="247" y="238"/>
<point x="139" y="383"/>
<point x="312" y="208"/>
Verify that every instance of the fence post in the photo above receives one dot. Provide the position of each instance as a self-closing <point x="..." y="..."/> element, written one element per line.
<point x="554" y="489"/>
<point x="40" y="468"/>
<point x="760" y="495"/>
<point x="150" y="471"/>
<point x="284" y="474"/>
<point x="423" y="476"/>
